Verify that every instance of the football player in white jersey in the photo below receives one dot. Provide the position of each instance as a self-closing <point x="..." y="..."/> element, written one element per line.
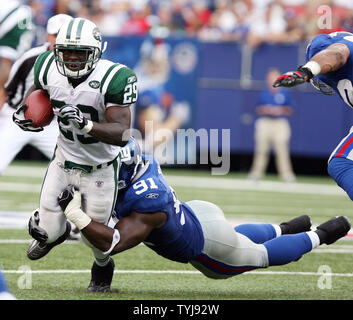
<point x="16" y="37"/>
<point x="91" y="98"/>
<point x="12" y="138"/>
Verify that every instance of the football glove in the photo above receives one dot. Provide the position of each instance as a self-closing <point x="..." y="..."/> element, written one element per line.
<point x="293" y="78"/>
<point x="18" y="117"/>
<point x="71" y="113"/>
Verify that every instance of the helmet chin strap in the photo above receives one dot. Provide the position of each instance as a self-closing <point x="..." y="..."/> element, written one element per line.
<point x="105" y="44"/>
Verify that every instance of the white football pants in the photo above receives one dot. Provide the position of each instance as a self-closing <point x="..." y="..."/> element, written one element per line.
<point x="98" y="189"/>
<point x="226" y="251"/>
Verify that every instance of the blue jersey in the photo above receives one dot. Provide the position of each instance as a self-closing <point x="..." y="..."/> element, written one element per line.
<point x="340" y="80"/>
<point x="180" y="238"/>
<point x="280" y="97"/>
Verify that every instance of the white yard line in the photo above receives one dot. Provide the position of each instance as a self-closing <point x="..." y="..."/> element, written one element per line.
<point x="326" y="249"/>
<point x="179" y="272"/>
<point x="214" y="182"/>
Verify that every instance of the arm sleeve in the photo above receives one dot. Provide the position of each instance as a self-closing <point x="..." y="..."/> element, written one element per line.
<point x="122" y="89"/>
<point x="38" y="65"/>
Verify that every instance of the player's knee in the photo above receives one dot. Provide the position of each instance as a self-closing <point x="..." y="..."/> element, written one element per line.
<point x="341" y="170"/>
<point x="338" y="168"/>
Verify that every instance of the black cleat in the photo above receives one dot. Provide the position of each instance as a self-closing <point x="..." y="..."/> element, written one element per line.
<point x="333" y="229"/>
<point x="296" y="225"/>
<point x="101" y="277"/>
<point x="38" y="249"/>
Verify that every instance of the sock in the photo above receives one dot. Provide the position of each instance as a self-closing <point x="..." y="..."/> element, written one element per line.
<point x="290" y="247"/>
<point x="102" y="262"/>
<point x="259" y="233"/>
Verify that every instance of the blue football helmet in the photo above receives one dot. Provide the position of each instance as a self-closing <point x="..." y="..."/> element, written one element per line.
<point x="131" y="163"/>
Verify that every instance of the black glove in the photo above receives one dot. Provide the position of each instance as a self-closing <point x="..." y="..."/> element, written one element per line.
<point x="71" y="113"/>
<point x="18" y="117"/>
<point x="293" y="78"/>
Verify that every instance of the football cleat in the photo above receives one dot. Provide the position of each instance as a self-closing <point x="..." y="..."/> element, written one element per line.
<point x="101" y="277"/>
<point x="38" y="249"/>
<point x="333" y="229"/>
<point x="296" y="225"/>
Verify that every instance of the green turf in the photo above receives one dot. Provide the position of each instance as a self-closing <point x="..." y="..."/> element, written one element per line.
<point x="238" y="205"/>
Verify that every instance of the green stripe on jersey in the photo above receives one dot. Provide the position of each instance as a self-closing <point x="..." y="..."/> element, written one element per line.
<point x="106" y="75"/>
<point x="121" y="84"/>
<point x="9" y="14"/>
<point x="38" y="66"/>
<point x="45" y="76"/>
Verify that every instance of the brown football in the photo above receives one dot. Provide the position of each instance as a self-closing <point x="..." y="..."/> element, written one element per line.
<point x="39" y="108"/>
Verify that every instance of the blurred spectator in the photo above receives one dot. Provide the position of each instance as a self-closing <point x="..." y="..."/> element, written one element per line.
<point x="157" y="114"/>
<point x="223" y="25"/>
<point x="272" y="129"/>
<point x="196" y="15"/>
<point x="266" y="24"/>
<point x="137" y="23"/>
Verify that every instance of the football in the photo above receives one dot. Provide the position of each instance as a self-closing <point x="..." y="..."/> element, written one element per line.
<point x="39" y="108"/>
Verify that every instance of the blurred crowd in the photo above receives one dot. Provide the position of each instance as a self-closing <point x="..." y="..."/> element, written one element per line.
<point x="254" y="21"/>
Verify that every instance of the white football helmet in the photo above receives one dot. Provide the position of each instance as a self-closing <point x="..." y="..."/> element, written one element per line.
<point x="81" y="36"/>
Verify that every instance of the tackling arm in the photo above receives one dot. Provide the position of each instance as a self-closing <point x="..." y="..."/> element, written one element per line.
<point x="328" y="60"/>
<point x="128" y="232"/>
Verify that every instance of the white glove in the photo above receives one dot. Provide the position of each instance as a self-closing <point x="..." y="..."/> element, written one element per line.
<point x="69" y="112"/>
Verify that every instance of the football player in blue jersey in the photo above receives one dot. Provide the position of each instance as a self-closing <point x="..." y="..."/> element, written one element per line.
<point x="194" y="232"/>
<point x="329" y="68"/>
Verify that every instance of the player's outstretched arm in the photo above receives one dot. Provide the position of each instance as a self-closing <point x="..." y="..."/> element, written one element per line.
<point x="328" y="60"/>
<point x="128" y="232"/>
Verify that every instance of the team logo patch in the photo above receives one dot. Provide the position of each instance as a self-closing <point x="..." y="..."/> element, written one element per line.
<point x="99" y="184"/>
<point x="131" y="79"/>
<point x="152" y="195"/>
<point x="94" y="84"/>
<point x="96" y="34"/>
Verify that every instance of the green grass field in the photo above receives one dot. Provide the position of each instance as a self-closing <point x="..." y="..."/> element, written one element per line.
<point x="142" y="275"/>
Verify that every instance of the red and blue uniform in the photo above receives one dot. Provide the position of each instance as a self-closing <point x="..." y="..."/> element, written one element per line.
<point x="340" y="165"/>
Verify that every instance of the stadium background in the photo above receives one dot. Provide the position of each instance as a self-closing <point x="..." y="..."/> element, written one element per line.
<point x="219" y="62"/>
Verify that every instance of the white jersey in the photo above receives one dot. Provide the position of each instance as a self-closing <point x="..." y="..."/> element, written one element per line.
<point x="15" y="26"/>
<point x="22" y="75"/>
<point x="108" y="84"/>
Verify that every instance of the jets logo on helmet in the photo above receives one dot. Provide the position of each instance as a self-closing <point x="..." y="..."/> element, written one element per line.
<point x="78" y="48"/>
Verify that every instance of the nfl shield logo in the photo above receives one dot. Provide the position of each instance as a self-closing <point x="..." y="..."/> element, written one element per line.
<point x="99" y="183"/>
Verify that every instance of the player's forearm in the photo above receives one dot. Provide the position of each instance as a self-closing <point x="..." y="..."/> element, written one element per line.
<point x="111" y="133"/>
<point x="331" y="59"/>
<point x="102" y="237"/>
<point x="99" y="235"/>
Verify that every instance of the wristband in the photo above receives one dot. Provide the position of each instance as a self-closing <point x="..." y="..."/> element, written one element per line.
<point x="88" y="127"/>
<point x="313" y="66"/>
<point x="77" y="217"/>
<point x="115" y="241"/>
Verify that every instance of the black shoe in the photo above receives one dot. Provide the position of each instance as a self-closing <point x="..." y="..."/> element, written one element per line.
<point x="333" y="229"/>
<point x="296" y="225"/>
<point x="101" y="277"/>
<point x="38" y="249"/>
